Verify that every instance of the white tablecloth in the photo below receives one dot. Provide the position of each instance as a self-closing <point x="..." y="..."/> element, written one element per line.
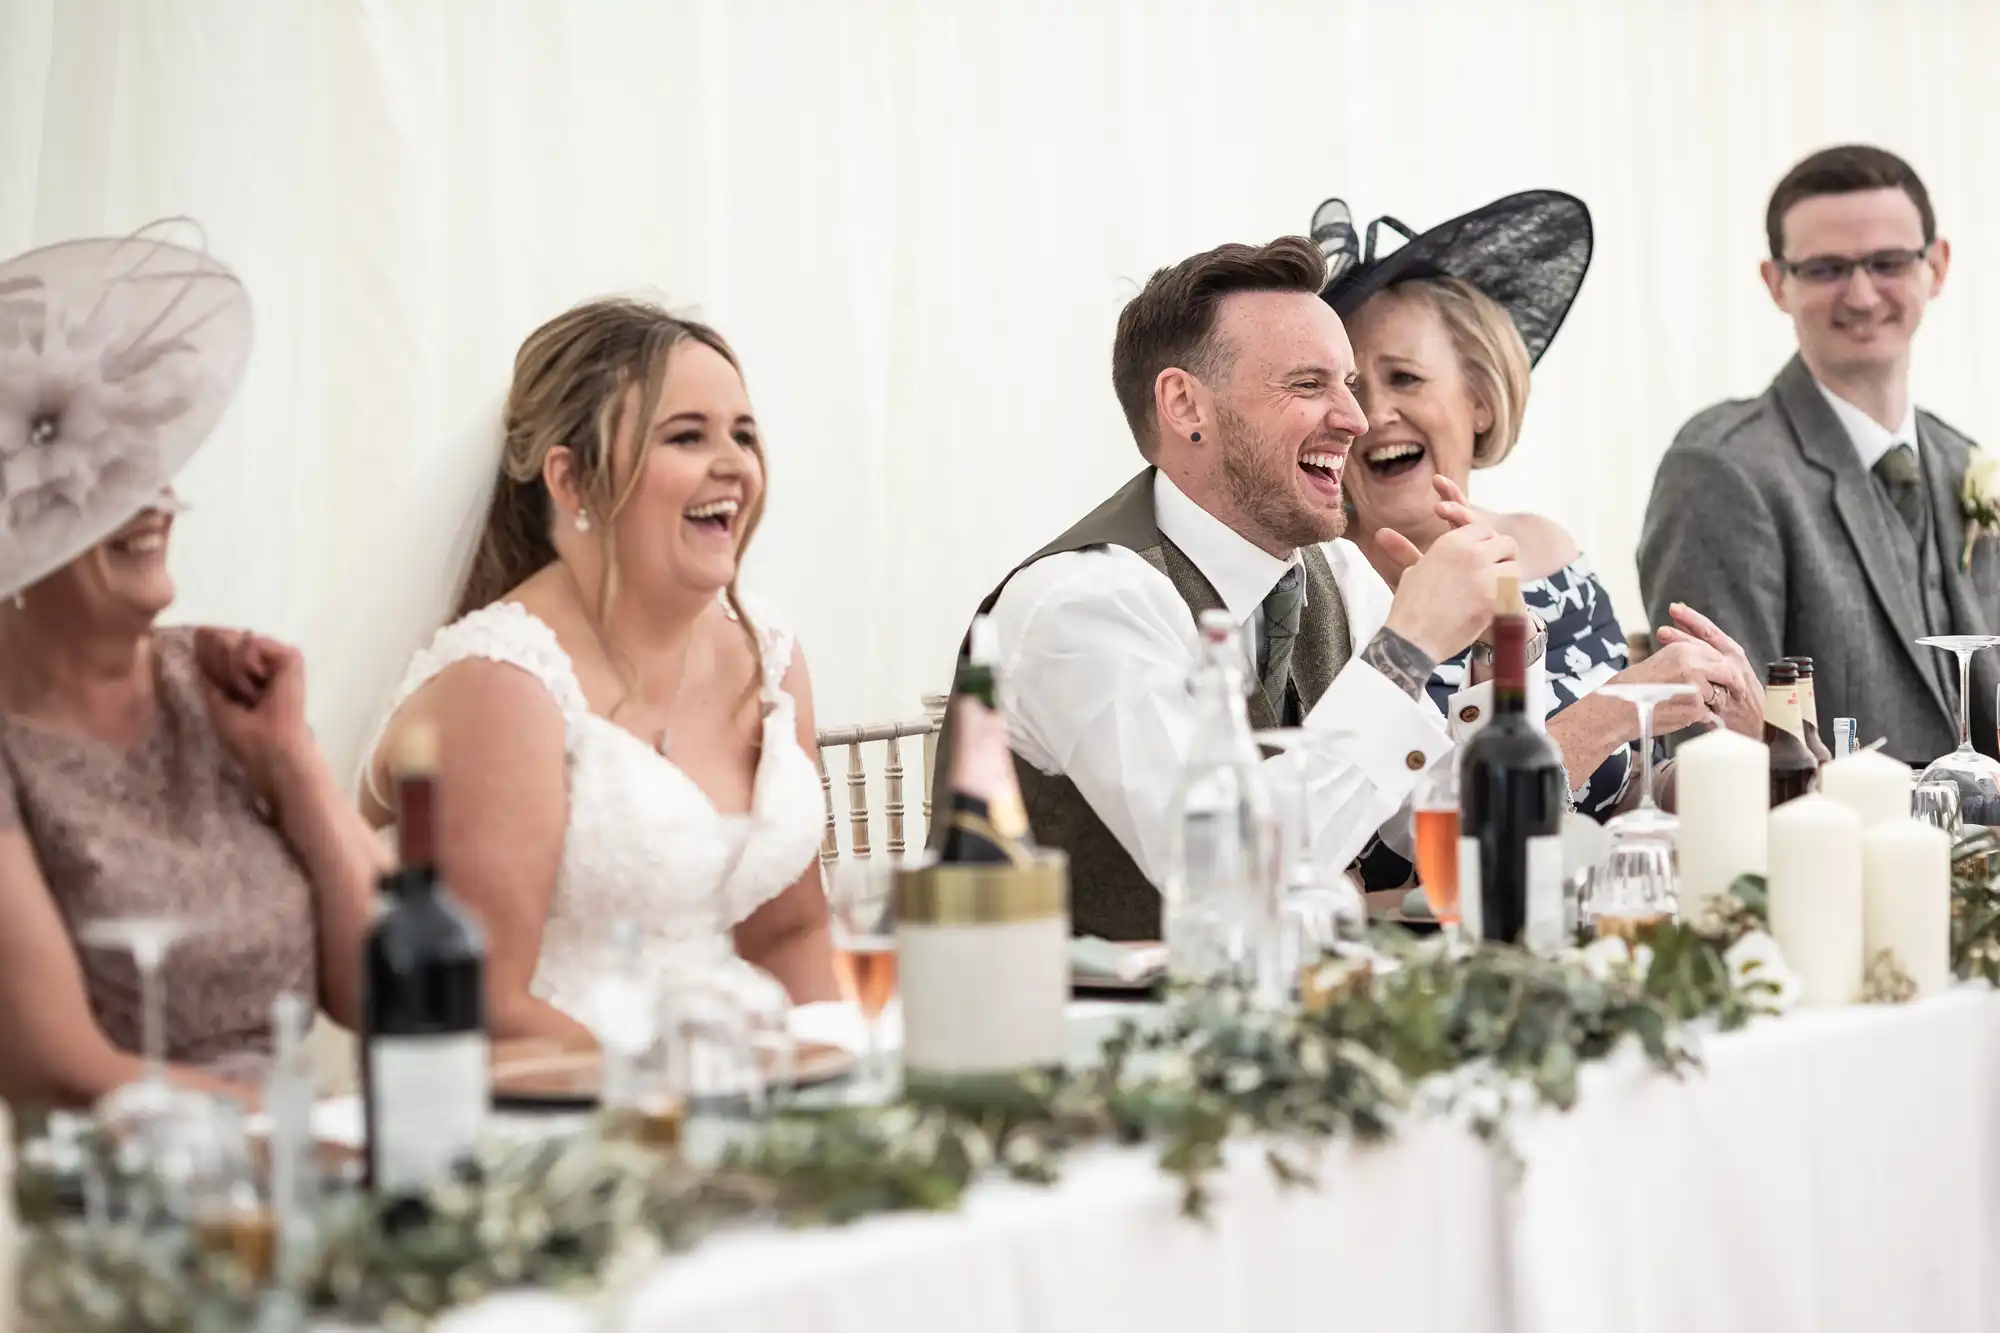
<point x="1834" y="1171"/>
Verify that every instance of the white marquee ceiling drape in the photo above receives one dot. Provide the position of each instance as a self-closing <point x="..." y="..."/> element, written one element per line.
<point x="917" y="221"/>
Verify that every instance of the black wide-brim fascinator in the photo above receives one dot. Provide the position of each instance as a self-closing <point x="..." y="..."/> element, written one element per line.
<point x="1528" y="252"/>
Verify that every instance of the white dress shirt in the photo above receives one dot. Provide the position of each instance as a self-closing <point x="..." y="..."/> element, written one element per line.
<point x="1871" y="440"/>
<point x="1097" y="649"/>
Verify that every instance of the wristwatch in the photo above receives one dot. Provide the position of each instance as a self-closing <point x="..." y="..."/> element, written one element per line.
<point x="1481" y="652"/>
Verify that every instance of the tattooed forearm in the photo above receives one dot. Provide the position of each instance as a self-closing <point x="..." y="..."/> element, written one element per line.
<point x="1405" y="664"/>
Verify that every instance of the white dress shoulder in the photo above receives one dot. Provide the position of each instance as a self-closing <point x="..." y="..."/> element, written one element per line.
<point x="643" y="843"/>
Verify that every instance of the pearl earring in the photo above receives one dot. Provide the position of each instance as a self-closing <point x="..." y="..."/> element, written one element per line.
<point x="20" y="602"/>
<point x="582" y="521"/>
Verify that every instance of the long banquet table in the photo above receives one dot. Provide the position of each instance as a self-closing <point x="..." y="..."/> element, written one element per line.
<point x="1833" y="1171"/>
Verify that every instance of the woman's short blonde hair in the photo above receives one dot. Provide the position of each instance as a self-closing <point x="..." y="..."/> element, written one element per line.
<point x="1491" y="353"/>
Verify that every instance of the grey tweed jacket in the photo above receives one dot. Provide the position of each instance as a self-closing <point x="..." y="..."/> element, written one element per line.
<point x="1763" y="517"/>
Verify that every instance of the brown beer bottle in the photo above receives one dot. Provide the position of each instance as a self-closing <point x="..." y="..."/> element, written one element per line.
<point x="1809" y="710"/>
<point x="1794" y="771"/>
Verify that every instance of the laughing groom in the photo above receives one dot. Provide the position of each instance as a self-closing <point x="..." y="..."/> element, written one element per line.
<point x="1827" y="517"/>
<point x="1237" y="382"/>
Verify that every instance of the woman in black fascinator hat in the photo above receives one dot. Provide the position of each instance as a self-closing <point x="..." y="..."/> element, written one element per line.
<point x="1447" y="327"/>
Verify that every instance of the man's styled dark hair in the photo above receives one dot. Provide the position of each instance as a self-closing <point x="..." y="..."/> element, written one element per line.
<point x="1172" y="321"/>
<point x="1847" y="169"/>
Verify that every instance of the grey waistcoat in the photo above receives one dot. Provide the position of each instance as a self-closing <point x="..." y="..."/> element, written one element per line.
<point x="1109" y="896"/>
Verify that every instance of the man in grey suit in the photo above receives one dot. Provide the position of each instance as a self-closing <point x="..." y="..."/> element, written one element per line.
<point x="1823" y="517"/>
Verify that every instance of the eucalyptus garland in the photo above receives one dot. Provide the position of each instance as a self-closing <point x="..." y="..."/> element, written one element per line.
<point x="1388" y="1027"/>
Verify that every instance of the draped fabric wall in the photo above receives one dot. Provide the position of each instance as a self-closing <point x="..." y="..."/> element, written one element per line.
<point x="917" y="220"/>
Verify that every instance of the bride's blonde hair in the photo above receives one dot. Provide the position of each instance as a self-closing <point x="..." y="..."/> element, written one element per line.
<point x="571" y="382"/>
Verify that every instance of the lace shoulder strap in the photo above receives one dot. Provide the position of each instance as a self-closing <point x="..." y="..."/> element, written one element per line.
<point x="503" y="632"/>
<point x="775" y="642"/>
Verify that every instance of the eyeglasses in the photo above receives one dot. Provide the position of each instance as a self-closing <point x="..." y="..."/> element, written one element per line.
<point x="1884" y="265"/>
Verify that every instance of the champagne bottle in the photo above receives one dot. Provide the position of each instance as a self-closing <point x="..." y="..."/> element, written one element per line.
<point x="1794" y="771"/>
<point x="1809" y="710"/>
<point x="1510" y="855"/>
<point x="424" y="1052"/>
<point x="987" y="822"/>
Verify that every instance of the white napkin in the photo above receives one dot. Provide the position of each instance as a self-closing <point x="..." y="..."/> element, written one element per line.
<point x="1091" y="958"/>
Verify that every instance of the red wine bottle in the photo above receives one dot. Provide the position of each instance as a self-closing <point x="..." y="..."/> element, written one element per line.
<point x="1510" y="863"/>
<point x="424" y="1050"/>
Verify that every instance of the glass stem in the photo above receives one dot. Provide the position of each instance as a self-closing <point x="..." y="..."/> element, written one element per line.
<point x="1645" y="754"/>
<point x="1964" y="698"/>
<point x="152" y="1034"/>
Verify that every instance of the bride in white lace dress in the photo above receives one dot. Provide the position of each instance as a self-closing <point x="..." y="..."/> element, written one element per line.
<point x="606" y="701"/>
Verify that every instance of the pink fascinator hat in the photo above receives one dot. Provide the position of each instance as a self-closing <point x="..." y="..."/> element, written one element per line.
<point x="118" y="357"/>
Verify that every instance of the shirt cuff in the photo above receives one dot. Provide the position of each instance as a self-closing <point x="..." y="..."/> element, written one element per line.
<point x="1393" y="737"/>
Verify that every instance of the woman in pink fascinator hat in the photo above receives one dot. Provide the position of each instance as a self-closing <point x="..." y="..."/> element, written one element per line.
<point x="146" y="773"/>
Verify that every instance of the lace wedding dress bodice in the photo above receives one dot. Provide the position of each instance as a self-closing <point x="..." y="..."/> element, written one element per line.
<point x="643" y="843"/>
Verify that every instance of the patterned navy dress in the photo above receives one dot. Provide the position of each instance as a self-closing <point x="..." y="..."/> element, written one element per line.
<point x="1586" y="648"/>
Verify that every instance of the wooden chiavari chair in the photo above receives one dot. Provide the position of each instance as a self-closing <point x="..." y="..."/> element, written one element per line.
<point x="890" y="735"/>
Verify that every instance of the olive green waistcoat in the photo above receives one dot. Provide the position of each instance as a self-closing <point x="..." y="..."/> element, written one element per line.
<point x="1109" y="895"/>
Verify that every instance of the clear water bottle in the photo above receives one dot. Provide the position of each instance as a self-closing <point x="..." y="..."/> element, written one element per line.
<point x="1224" y="850"/>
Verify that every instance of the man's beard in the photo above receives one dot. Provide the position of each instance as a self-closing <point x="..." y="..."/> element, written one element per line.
<point x="1256" y="474"/>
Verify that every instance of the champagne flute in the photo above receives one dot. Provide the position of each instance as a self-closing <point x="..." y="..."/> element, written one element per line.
<point x="862" y="903"/>
<point x="1434" y="817"/>
<point x="1976" y="777"/>
<point x="147" y="939"/>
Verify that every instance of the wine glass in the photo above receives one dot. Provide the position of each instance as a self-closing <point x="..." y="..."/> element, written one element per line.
<point x="861" y="901"/>
<point x="147" y="939"/>
<point x="1976" y="777"/>
<point x="1318" y="909"/>
<point x="1646" y="821"/>
<point x="219" y="1194"/>
<point x="1936" y="804"/>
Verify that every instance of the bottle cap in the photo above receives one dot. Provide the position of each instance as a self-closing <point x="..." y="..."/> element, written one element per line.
<point x="1804" y="664"/>
<point x="985" y="649"/>
<point x="1781" y="673"/>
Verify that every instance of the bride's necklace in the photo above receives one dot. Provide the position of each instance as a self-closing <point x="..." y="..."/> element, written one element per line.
<point x="663" y="742"/>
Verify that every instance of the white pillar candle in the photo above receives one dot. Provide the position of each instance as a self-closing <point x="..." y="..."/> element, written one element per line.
<point x="1906" y="878"/>
<point x="1816" y="896"/>
<point x="1722" y="793"/>
<point x="1871" y="784"/>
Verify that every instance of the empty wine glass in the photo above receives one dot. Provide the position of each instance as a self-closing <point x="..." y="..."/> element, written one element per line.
<point x="861" y="902"/>
<point x="1976" y="777"/>
<point x="1317" y="907"/>
<point x="147" y="939"/>
<point x="1645" y="820"/>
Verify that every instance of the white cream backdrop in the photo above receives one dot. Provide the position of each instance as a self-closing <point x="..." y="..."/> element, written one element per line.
<point x="917" y="221"/>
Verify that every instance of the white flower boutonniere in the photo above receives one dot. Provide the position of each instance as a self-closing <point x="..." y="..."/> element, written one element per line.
<point x="1979" y="501"/>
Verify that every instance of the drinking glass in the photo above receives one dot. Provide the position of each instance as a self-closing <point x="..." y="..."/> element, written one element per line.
<point x="1632" y="892"/>
<point x="861" y="901"/>
<point x="147" y="939"/>
<point x="226" y="1207"/>
<point x="1976" y="777"/>
<point x="1434" y="815"/>
<point x="1645" y="820"/>
<point x="1936" y="804"/>
<point x="1317" y="905"/>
